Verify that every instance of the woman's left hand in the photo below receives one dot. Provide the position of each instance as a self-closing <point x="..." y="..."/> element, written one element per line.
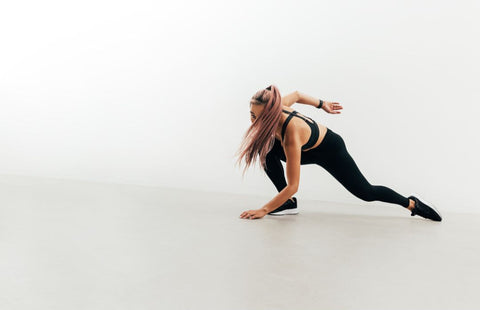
<point x="332" y="107"/>
<point x="253" y="214"/>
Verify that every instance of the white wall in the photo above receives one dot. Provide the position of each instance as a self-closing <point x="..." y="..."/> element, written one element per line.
<point x="157" y="93"/>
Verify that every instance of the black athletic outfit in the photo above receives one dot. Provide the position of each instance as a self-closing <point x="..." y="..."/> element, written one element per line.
<point x="333" y="156"/>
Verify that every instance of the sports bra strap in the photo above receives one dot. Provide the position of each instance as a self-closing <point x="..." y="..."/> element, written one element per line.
<point x="312" y="124"/>
<point x="286" y="122"/>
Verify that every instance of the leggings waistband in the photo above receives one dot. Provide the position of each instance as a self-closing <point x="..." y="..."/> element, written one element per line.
<point x="326" y="138"/>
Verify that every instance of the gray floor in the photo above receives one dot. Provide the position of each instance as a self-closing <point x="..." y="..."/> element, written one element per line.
<point x="79" y="245"/>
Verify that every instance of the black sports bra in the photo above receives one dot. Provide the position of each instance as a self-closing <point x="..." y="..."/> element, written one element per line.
<point x="315" y="132"/>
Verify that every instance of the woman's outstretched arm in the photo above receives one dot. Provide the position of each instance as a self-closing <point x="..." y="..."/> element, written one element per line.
<point x="328" y="106"/>
<point x="296" y="96"/>
<point x="307" y="99"/>
<point x="291" y="98"/>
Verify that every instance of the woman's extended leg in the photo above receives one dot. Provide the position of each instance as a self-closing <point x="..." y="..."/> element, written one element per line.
<point x="334" y="157"/>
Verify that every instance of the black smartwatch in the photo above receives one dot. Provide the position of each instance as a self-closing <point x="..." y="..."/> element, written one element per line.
<point x="320" y="105"/>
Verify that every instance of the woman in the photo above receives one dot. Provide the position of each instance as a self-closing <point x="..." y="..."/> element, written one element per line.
<point x="279" y="133"/>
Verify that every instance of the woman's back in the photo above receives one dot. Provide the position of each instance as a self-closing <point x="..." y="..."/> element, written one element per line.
<point x="299" y="122"/>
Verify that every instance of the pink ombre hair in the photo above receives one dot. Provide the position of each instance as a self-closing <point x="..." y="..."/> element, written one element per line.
<point x="260" y="136"/>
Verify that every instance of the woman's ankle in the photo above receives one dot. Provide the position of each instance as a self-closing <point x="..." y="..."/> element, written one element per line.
<point x="411" y="204"/>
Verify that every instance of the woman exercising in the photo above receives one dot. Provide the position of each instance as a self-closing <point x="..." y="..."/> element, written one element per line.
<point x="279" y="133"/>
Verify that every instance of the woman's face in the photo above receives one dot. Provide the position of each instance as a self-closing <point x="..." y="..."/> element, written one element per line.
<point x="255" y="111"/>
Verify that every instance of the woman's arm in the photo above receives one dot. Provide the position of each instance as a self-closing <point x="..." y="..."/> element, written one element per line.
<point x="293" y="154"/>
<point x="291" y="98"/>
<point x="307" y="99"/>
<point x="299" y="97"/>
<point x="328" y="106"/>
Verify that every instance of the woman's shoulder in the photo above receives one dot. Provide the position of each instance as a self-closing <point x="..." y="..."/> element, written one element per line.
<point x="292" y="131"/>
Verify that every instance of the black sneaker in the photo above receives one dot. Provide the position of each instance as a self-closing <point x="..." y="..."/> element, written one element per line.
<point x="288" y="207"/>
<point x="425" y="210"/>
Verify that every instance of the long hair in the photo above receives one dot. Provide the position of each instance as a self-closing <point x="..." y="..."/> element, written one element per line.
<point x="260" y="136"/>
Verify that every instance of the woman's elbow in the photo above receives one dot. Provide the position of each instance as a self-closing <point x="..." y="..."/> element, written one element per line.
<point x="297" y="96"/>
<point x="293" y="188"/>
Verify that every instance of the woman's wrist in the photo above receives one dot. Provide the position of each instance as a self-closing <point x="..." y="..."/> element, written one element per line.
<point x="320" y="105"/>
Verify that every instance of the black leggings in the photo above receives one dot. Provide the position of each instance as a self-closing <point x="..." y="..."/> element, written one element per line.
<point x="332" y="155"/>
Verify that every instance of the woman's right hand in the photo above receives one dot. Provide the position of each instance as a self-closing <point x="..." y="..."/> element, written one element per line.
<point x="332" y="107"/>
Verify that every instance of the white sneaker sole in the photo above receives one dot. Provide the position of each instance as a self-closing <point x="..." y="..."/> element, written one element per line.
<point x="431" y="205"/>
<point x="285" y="212"/>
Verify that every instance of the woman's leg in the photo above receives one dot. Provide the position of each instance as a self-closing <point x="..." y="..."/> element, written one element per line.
<point x="274" y="168"/>
<point x="334" y="157"/>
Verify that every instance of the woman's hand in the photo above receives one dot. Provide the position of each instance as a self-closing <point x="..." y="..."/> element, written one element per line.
<point x="253" y="214"/>
<point x="332" y="107"/>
